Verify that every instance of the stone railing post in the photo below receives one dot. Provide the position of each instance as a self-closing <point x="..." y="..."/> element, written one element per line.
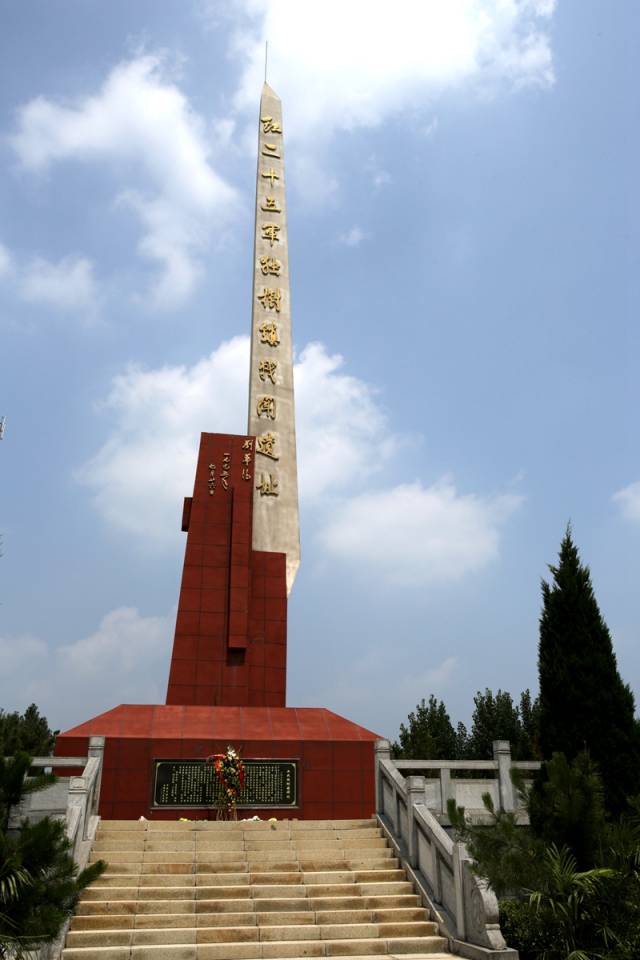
<point x="382" y="751"/>
<point x="459" y="856"/>
<point x="96" y="749"/>
<point x="446" y="789"/>
<point x="502" y="755"/>
<point x="77" y="802"/>
<point x="415" y="794"/>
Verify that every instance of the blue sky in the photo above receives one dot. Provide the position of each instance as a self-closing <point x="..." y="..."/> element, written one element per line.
<point x="463" y="232"/>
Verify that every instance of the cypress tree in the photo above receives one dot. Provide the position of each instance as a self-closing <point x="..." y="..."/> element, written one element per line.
<point x="584" y="704"/>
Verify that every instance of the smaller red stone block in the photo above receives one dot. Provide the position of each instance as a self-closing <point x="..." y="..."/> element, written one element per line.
<point x="232" y="598"/>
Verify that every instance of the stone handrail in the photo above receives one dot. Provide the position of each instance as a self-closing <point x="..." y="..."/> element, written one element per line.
<point x="468" y="793"/>
<point x="461" y="902"/>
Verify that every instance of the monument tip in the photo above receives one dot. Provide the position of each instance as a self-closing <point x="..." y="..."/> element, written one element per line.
<point x="268" y="91"/>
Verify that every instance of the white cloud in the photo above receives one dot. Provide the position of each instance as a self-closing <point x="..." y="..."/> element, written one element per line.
<point x="142" y="120"/>
<point x="333" y="453"/>
<point x="361" y="687"/>
<point x="416" y="535"/>
<point x="145" y="468"/>
<point x="628" y="500"/>
<point x="379" y="176"/>
<point x="140" y="475"/>
<point x="431" y="128"/>
<point x="377" y="63"/>
<point x="409" y="534"/>
<point x="353" y="237"/>
<point x="5" y="261"/>
<point x="124" y="660"/>
<point x="66" y="285"/>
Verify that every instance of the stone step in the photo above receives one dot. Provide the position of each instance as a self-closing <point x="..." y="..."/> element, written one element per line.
<point x="221" y="825"/>
<point x="101" y="907"/>
<point x="234" y="856"/>
<point x="240" y="866"/>
<point x="134" y="881"/>
<point x="201" y="890"/>
<point x="276" y="918"/>
<point x="186" y="950"/>
<point x="252" y="933"/>
<point x="270" y="833"/>
<point x="246" y="918"/>
<point x="206" y="842"/>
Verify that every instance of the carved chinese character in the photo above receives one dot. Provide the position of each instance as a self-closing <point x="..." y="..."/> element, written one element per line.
<point x="224" y="474"/>
<point x="271" y="299"/>
<point x="246" y="459"/>
<point x="270" y="175"/>
<point x="267" y="370"/>
<point x="270" y="150"/>
<point x="267" y="485"/>
<point x="270" y="266"/>
<point x="266" y="407"/>
<point x="270" y="205"/>
<point x="269" y="333"/>
<point x="245" y="473"/>
<point x="265" y="445"/>
<point x="270" y="232"/>
<point x="269" y="125"/>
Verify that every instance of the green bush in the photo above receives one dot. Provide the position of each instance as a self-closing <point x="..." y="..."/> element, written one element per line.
<point x="524" y="931"/>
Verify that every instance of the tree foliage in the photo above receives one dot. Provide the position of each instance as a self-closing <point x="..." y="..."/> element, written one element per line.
<point x="566" y="807"/>
<point x="499" y="718"/>
<point x="429" y="734"/>
<point x="584" y="704"/>
<point x="552" y="906"/>
<point x="27" y="732"/>
<point x="39" y="881"/>
<point x="39" y="906"/>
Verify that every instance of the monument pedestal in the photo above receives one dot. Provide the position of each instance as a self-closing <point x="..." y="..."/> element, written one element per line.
<point x="333" y="757"/>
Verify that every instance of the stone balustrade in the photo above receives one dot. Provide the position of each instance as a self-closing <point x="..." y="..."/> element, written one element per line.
<point x="412" y="811"/>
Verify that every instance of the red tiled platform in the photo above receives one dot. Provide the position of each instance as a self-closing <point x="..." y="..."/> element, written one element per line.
<point x="335" y="756"/>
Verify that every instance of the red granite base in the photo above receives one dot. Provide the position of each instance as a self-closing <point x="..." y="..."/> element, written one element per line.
<point x="335" y="756"/>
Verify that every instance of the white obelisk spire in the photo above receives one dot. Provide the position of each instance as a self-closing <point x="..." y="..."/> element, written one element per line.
<point x="276" y="525"/>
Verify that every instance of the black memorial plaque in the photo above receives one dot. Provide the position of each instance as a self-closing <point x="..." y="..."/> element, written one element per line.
<point x="193" y="783"/>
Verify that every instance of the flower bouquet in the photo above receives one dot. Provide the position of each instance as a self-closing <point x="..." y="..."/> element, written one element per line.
<point x="229" y="769"/>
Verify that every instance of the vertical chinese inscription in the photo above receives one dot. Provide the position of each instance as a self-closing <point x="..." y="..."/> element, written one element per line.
<point x="271" y="406"/>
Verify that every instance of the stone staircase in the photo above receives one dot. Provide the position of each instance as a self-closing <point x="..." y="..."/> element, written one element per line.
<point x="249" y="890"/>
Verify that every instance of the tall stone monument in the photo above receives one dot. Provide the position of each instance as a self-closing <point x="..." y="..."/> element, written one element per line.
<point x="271" y="406"/>
<point x="227" y="678"/>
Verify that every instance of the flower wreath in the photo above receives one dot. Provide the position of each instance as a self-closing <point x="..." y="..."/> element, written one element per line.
<point x="229" y="770"/>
